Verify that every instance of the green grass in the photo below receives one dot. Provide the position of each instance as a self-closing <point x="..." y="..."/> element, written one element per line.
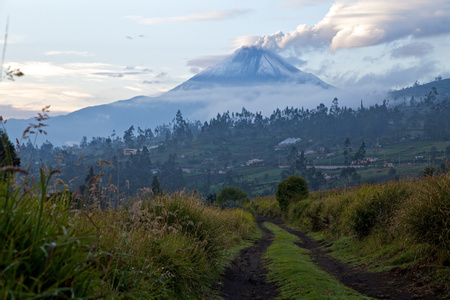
<point x="164" y="247"/>
<point x="397" y="224"/>
<point x="298" y="277"/>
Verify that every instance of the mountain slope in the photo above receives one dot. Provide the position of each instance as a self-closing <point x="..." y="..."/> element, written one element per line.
<point x="420" y="91"/>
<point x="251" y="66"/>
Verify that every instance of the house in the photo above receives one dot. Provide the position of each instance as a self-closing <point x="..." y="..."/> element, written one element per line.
<point x="129" y="151"/>
<point x="287" y="143"/>
<point x="253" y="161"/>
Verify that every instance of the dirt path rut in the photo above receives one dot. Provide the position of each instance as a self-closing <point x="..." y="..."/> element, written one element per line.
<point x="246" y="277"/>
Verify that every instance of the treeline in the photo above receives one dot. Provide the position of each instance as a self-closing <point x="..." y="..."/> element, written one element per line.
<point x="325" y="127"/>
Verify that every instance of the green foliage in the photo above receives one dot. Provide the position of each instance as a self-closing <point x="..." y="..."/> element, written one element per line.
<point x="156" y="187"/>
<point x="290" y="190"/>
<point x="395" y="224"/>
<point x="8" y="155"/>
<point x="427" y="213"/>
<point x="157" y="247"/>
<point x="375" y="206"/>
<point x="45" y="252"/>
<point x="230" y="193"/>
<point x="267" y="206"/>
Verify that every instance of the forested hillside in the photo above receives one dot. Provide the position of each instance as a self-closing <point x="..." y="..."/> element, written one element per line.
<point x="329" y="146"/>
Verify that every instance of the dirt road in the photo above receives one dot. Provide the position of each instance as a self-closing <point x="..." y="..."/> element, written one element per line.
<point x="246" y="277"/>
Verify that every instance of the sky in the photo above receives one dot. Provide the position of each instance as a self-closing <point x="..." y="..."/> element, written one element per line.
<point x="79" y="53"/>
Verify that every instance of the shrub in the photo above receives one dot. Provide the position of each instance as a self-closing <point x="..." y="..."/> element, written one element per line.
<point x="292" y="189"/>
<point x="427" y="214"/>
<point x="267" y="206"/>
<point x="375" y="206"/>
<point x="230" y="193"/>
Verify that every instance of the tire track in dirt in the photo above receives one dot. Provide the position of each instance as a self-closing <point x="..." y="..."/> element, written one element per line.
<point x="246" y="277"/>
<point x="380" y="285"/>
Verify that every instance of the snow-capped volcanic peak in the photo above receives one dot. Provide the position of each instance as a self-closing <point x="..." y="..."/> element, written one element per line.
<point x="252" y="61"/>
<point x="251" y="66"/>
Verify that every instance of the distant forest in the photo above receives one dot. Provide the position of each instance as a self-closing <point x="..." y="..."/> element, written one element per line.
<point x="200" y="156"/>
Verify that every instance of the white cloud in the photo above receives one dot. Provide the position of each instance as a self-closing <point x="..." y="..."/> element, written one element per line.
<point x="133" y="88"/>
<point x="350" y="24"/>
<point x="78" y="53"/>
<point x="77" y="94"/>
<point x="204" y="62"/>
<point x="418" y="49"/>
<point x="199" y="17"/>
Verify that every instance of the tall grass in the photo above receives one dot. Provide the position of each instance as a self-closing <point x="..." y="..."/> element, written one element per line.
<point x="427" y="214"/>
<point x="164" y="247"/>
<point x="44" y="251"/>
<point x="388" y="220"/>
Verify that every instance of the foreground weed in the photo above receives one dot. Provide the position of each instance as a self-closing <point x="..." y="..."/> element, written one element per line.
<point x="43" y="251"/>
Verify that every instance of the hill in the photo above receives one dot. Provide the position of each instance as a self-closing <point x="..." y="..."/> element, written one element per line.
<point x="419" y="91"/>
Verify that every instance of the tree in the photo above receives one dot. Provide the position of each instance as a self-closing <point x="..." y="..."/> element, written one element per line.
<point x="83" y="143"/>
<point x="181" y="131"/>
<point x="128" y="137"/>
<point x="361" y="153"/>
<point x="230" y="193"/>
<point x="156" y="187"/>
<point x="347" y="151"/>
<point x="8" y="155"/>
<point x="292" y="189"/>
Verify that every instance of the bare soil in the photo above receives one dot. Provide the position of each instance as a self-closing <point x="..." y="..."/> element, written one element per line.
<point x="246" y="277"/>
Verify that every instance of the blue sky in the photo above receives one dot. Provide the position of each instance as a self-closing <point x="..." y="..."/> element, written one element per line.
<point x="82" y="53"/>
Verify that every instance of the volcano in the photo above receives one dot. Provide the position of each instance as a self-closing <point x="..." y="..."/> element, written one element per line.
<point x="252" y="77"/>
<point x="250" y="66"/>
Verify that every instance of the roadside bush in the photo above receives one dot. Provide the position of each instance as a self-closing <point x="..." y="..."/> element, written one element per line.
<point x="375" y="206"/>
<point x="230" y="193"/>
<point x="267" y="206"/>
<point x="290" y="190"/>
<point x="297" y="212"/>
<point x="427" y="214"/>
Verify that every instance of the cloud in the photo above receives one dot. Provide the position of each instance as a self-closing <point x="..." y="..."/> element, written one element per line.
<point x="203" y="62"/>
<point x="40" y="69"/>
<point x="397" y="76"/>
<point x="350" y="24"/>
<point x="122" y="74"/>
<point x="417" y="50"/>
<point x="264" y="99"/>
<point x="110" y="74"/>
<point x="244" y="40"/>
<point x="79" y="53"/>
<point x="161" y="75"/>
<point x="151" y="82"/>
<point x="131" y="88"/>
<point x="77" y="94"/>
<point x="199" y="17"/>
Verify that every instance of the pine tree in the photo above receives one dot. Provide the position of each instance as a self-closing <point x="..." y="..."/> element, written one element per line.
<point x="156" y="188"/>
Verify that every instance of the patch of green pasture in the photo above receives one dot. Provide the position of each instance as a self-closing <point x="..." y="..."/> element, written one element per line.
<point x="297" y="276"/>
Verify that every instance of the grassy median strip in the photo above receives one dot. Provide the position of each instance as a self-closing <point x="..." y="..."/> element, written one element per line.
<point x="298" y="277"/>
